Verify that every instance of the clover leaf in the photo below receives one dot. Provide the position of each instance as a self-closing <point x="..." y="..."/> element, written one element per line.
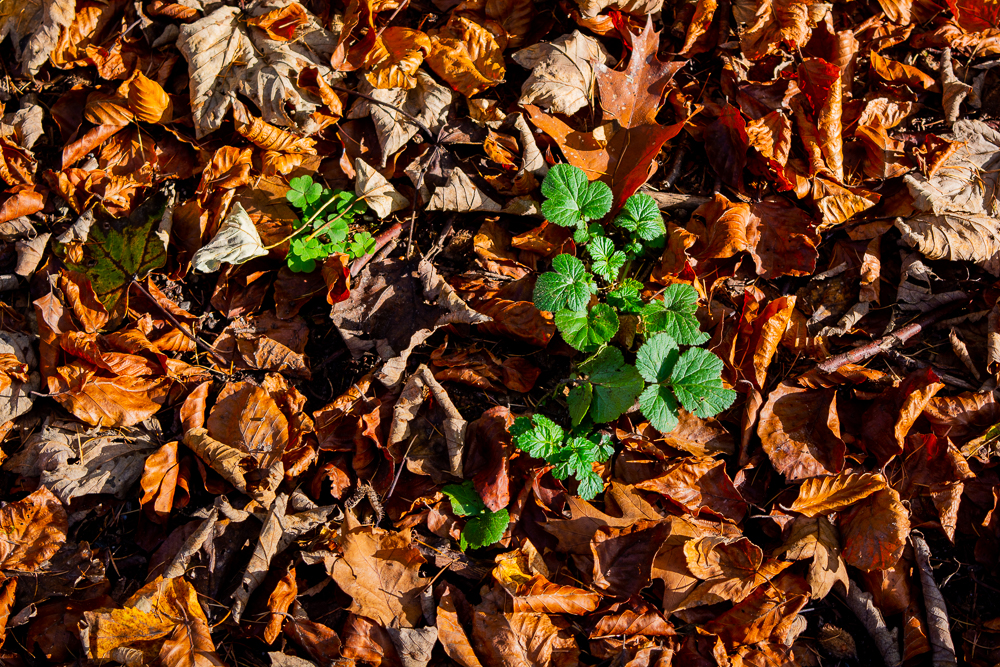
<point x="302" y="191"/>
<point x="568" y="285"/>
<point x="572" y="200"/>
<point x="362" y="244"/>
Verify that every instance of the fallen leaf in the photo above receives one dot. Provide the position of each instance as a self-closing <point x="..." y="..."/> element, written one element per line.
<point x="376" y="191"/>
<point x="699" y="484"/>
<point x="236" y="242"/>
<point x="800" y="431"/>
<point x="466" y="55"/>
<point x="562" y="72"/>
<point x="815" y="539"/>
<point x="875" y="531"/>
<point x="623" y="556"/>
<point x="819" y="496"/>
<point x="34" y="529"/>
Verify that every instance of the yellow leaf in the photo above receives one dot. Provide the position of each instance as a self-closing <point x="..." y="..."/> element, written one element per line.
<point x="395" y="57"/>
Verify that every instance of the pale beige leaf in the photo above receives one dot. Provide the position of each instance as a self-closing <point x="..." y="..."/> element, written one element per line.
<point x="236" y="242"/>
<point x="955" y="236"/>
<point x="379" y="194"/>
<point x="460" y="194"/>
<point x="562" y="72"/>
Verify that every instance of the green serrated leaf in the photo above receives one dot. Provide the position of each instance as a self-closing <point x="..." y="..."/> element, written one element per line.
<point x="590" y="485"/>
<point x="571" y="199"/>
<point x="626" y="297"/>
<point x="568" y="285"/>
<point x="118" y="250"/>
<point x="579" y="400"/>
<point x="576" y="459"/>
<point x="607" y="261"/>
<point x="675" y="315"/>
<point x="485" y="529"/>
<point x="697" y="382"/>
<point x="659" y="406"/>
<point x="542" y="440"/>
<point x="465" y="500"/>
<point x="616" y="384"/>
<point x="587" y="330"/>
<point x="656" y="358"/>
<point x="641" y="215"/>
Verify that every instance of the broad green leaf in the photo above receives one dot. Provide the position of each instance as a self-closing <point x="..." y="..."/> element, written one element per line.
<point x="465" y="500"/>
<point x="586" y="331"/>
<point x="616" y="384"/>
<point x="675" y="315"/>
<point x="567" y="285"/>
<point x="119" y="250"/>
<point x="626" y="297"/>
<point x="590" y="485"/>
<point x="571" y="199"/>
<point x="656" y="358"/>
<point x="659" y="406"/>
<point x="641" y="215"/>
<point x="607" y="261"/>
<point x="696" y="380"/>
<point x="485" y="529"/>
<point x="579" y="400"/>
<point x="542" y="440"/>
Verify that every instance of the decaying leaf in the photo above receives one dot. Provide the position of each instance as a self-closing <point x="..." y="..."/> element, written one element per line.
<point x="236" y="242"/>
<point x="562" y="72"/>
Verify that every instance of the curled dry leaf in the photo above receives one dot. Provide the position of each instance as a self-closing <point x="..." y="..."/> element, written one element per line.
<point x="34" y="529"/>
<point x="800" y="431"/>
<point x="395" y="57"/>
<point x="236" y="242"/>
<point x="460" y="194"/>
<point x="699" y="484"/>
<point x="562" y="72"/>
<point x="377" y="192"/>
<point x="815" y="538"/>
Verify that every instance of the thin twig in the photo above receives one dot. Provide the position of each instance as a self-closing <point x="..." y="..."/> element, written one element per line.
<point x="174" y="321"/>
<point x="898" y="337"/>
<point x="864" y="608"/>
<point x="915" y="364"/>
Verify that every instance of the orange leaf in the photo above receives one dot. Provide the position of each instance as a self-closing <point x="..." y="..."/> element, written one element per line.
<point x="147" y="99"/>
<point x="395" y="57"/>
<point x="33" y="530"/>
<point x="280" y="24"/>
<point x="823" y="495"/>
<point x="466" y="55"/>
<point x="159" y="481"/>
<point x="280" y="600"/>
<point x="896" y="72"/>
<point x="699" y="484"/>
<point x="800" y="431"/>
<point x="875" y="531"/>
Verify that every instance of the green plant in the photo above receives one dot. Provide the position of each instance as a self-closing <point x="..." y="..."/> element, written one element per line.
<point x="670" y="371"/>
<point x="323" y="226"/>
<point x="569" y="454"/>
<point x="482" y="527"/>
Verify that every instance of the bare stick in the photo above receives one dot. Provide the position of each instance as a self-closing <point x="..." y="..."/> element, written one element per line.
<point x="938" y="628"/>
<point x="898" y="337"/>
<point x="380" y="243"/>
<point x="861" y="604"/>
<point x="915" y="364"/>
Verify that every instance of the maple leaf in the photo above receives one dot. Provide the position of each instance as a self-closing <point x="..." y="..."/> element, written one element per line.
<point x="631" y="99"/>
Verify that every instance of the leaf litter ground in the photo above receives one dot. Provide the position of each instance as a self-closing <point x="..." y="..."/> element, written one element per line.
<point x="242" y="427"/>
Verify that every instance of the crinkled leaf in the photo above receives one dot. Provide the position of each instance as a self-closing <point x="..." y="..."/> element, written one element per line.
<point x="236" y="243"/>
<point x="568" y="285"/>
<point x="615" y="384"/>
<point x="485" y="529"/>
<point x="659" y="406"/>
<point x="641" y="215"/>
<point x="675" y="315"/>
<point x="542" y="440"/>
<point x="576" y="459"/>
<point x="626" y="297"/>
<point x="657" y="358"/>
<point x="571" y="199"/>
<point x="586" y="331"/>
<point x="607" y="261"/>
<point x="465" y="500"/>
<point x="696" y="380"/>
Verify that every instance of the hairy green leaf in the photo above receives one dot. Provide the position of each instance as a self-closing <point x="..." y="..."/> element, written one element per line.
<point x="579" y="400"/>
<point x="656" y="358"/>
<point x="568" y="285"/>
<point x="542" y="440"/>
<point x="586" y="331"/>
<point x="616" y="384"/>
<point x="659" y="406"/>
<point x="696" y="380"/>
<point x="607" y="261"/>
<point x="641" y="215"/>
<point x="626" y="297"/>
<point x="675" y="315"/>
<point x="571" y="199"/>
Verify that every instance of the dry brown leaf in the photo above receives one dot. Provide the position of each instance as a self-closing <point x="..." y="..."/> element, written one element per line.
<point x="33" y="530"/>
<point x="395" y="57"/>
<point x="816" y="539"/>
<point x="730" y="569"/>
<point x="523" y="639"/>
<point x="800" y="431"/>
<point x="562" y="72"/>
<point x="380" y="571"/>
<point x="875" y="531"/>
<point x="377" y="192"/>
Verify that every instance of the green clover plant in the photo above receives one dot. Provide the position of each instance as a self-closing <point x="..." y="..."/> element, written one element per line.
<point x="483" y="527"/>
<point x="589" y="296"/>
<point x="324" y="224"/>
